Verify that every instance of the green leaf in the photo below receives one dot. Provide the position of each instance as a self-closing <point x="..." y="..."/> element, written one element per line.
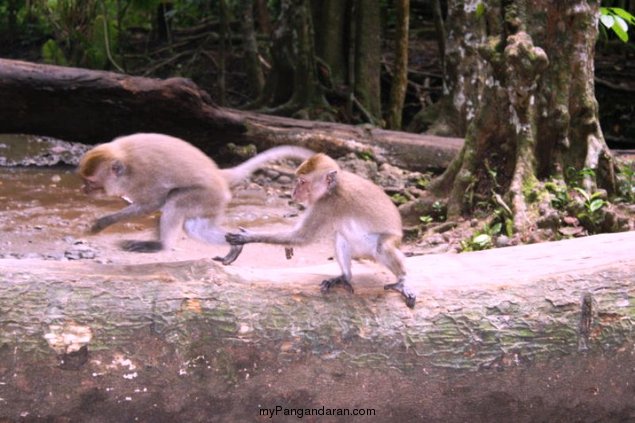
<point x="53" y="54"/>
<point x="585" y="194"/>
<point x="482" y="240"/>
<point x="607" y="20"/>
<point x="426" y="219"/>
<point x="620" y="33"/>
<point x="623" y="14"/>
<point x="596" y="205"/>
<point x="496" y="228"/>
<point x="480" y="10"/>
<point x="509" y="227"/>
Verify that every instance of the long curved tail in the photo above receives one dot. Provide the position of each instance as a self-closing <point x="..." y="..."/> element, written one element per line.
<point x="234" y="175"/>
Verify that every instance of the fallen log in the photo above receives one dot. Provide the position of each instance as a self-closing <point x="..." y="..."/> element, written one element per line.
<point x="95" y="106"/>
<point x="536" y="332"/>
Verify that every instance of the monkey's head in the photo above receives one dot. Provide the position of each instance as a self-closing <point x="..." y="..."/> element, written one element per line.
<point x="315" y="178"/>
<point x="100" y="170"/>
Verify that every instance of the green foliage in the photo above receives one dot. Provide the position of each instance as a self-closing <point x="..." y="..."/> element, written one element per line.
<point x="617" y="20"/>
<point x="426" y="218"/>
<point x="399" y="198"/>
<point x="483" y="239"/>
<point x="53" y="54"/>
<point x="575" y="177"/>
<point x="627" y="183"/>
<point x="480" y="10"/>
<point x="423" y="182"/>
<point x="592" y="215"/>
<point x="366" y="155"/>
<point x="438" y="214"/>
<point x="83" y="33"/>
<point x="560" y="199"/>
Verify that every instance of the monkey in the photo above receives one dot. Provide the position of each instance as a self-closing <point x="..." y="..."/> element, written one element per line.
<point x="358" y="214"/>
<point x="155" y="172"/>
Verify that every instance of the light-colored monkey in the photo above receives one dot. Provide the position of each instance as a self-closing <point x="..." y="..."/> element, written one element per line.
<point x="361" y="217"/>
<point x="159" y="172"/>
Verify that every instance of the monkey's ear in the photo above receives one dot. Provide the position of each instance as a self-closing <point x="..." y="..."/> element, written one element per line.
<point x="331" y="179"/>
<point x="118" y="168"/>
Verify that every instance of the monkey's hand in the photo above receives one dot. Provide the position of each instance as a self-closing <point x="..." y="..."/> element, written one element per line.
<point x="235" y="238"/>
<point x="231" y="257"/>
<point x="100" y="224"/>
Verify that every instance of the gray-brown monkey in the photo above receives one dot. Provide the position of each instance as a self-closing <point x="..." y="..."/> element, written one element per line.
<point x="361" y="217"/>
<point x="159" y="172"/>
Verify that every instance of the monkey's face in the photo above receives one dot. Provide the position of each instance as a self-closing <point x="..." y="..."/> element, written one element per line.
<point x="91" y="186"/>
<point x="312" y="187"/>
<point x="101" y="181"/>
<point x="302" y="191"/>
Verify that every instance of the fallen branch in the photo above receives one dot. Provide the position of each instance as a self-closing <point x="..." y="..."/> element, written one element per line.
<point x="95" y="106"/>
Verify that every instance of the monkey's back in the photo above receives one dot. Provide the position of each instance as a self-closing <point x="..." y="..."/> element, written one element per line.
<point x="361" y="200"/>
<point x="168" y="161"/>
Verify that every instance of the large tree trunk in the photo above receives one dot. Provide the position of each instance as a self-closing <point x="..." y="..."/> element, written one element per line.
<point x="331" y="23"/>
<point x="292" y="87"/>
<point x="93" y="106"/>
<point x="548" y="339"/>
<point x="367" y="87"/>
<point x="536" y="115"/>
<point x="400" y="75"/>
<point x="253" y="69"/>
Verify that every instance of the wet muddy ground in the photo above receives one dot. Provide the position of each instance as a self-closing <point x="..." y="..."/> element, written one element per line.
<point x="44" y="214"/>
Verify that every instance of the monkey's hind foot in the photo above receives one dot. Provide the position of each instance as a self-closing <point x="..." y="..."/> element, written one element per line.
<point x="233" y="254"/>
<point x="408" y="295"/>
<point x="327" y="284"/>
<point x="141" y="246"/>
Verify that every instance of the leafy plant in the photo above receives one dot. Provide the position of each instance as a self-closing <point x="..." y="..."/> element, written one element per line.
<point x="367" y="156"/>
<point x="617" y="20"/>
<point x="423" y="182"/>
<point x="399" y="198"/>
<point x="483" y="239"/>
<point x="426" y="218"/>
<point x="438" y="211"/>
<point x="575" y="177"/>
<point x="627" y="183"/>
<point x="561" y="198"/>
<point x="592" y="216"/>
<point x="53" y="54"/>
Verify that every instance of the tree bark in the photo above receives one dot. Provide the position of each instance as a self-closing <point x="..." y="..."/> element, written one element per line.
<point x="183" y="341"/>
<point x="255" y="76"/>
<point x="331" y="23"/>
<point x="527" y="103"/>
<point x="367" y="86"/>
<point x="94" y="106"/>
<point x="400" y="76"/>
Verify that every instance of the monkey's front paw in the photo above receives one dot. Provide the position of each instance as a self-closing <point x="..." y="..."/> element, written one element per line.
<point x="233" y="254"/>
<point x="99" y="225"/>
<point x="141" y="246"/>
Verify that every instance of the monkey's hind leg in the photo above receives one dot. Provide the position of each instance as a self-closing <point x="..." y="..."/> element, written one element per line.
<point x="401" y="287"/>
<point x="343" y="256"/>
<point x="390" y="256"/>
<point x="327" y="284"/>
